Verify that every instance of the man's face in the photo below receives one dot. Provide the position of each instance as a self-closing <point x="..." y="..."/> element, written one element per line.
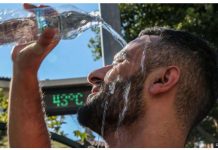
<point x="116" y="97"/>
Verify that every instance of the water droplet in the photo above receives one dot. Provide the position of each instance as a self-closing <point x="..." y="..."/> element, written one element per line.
<point x="112" y="87"/>
<point x="103" y="118"/>
<point x="143" y="61"/>
<point x="125" y="107"/>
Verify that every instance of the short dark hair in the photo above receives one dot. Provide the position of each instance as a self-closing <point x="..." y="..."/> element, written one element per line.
<point x="197" y="59"/>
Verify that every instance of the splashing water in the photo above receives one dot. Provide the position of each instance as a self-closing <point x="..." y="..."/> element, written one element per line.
<point x="103" y="119"/>
<point x="143" y="61"/>
<point x="125" y="107"/>
<point x="123" y="112"/>
<point x="112" y="87"/>
<point x="115" y="35"/>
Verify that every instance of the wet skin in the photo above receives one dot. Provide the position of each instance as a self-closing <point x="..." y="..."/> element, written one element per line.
<point x="110" y="84"/>
<point x="126" y="63"/>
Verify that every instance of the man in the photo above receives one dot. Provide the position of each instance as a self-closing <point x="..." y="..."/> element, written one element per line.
<point x="157" y="89"/>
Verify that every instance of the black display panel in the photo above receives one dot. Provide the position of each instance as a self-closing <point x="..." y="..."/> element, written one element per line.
<point x="65" y="100"/>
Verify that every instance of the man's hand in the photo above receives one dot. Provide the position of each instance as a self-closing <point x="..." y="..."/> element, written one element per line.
<point x="26" y="126"/>
<point x="27" y="58"/>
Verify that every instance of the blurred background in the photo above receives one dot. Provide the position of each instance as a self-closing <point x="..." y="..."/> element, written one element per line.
<point x="71" y="61"/>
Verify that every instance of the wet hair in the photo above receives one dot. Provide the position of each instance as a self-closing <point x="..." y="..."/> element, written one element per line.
<point x="197" y="59"/>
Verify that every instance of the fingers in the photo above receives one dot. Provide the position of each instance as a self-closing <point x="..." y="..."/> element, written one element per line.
<point x="46" y="38"/>
<point x="44" y="45"/>
<point x="28" y="6"/>
<point x="31" y="8"/>
<point x="42" y="6"/>
<point x="39" y="49"/>
<point x="46" y="42"/>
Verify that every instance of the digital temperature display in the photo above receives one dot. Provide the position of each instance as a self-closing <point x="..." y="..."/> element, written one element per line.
<point x="65" y="100"/>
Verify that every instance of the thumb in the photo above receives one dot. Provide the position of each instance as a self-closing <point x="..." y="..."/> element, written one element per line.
<point x="46" y="41"/>
<point x="46" y="38"/>
<point x="16" y="49"/>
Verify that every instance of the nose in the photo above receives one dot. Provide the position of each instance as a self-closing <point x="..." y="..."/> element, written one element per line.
<point x="98" y="75"/>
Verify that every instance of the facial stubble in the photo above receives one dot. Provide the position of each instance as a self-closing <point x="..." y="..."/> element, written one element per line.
<point x="91" y="114"/>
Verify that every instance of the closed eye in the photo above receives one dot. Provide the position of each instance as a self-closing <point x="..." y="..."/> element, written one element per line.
<point x="120" y="57"/>
<point x="117" y="61"/>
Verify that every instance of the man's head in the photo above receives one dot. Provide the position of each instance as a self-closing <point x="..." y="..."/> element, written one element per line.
<point x="166" y="70"/>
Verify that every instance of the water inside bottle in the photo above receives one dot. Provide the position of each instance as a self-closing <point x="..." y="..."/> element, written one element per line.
<point x="15" y="26"/>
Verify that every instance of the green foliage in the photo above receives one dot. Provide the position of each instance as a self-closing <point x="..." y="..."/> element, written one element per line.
<point x="82" y="135"/>
<point x="3" y="117"/>
<point x="200" y="19"/>
<point x="3" y="141"/>
<point x="3" y="107"/>
<point x="55" y="144"/>
<point x="54" y="123"/>
<point x="95" y="44"/>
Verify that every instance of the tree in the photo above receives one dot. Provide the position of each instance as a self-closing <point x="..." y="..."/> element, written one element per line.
<point x="199" y="19"/>
<point x="95" y="44"/>
<point x="3" y="106"/>
<point x="3" y="117"/>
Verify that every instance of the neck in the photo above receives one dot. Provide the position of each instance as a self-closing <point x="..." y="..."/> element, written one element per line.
<point x="156" y="131"/>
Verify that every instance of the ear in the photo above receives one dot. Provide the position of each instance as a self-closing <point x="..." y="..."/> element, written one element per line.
<point x="166" y="79"/>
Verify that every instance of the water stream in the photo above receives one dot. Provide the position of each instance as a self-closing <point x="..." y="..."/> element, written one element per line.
<point x="114" y="34"/>
<point x="104" y="116"/>
<point x="125" y="107"/>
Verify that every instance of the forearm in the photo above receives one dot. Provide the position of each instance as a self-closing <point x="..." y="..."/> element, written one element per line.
<point x="27" y="127"/>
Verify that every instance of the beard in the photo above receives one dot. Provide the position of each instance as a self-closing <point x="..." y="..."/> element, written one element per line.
<point x="93" y="112"/>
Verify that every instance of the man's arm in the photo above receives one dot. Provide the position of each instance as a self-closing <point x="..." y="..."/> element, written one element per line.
<point x="26" y="126"/>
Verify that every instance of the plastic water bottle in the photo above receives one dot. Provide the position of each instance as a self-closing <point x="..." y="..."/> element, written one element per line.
<point x="21" y="26"/>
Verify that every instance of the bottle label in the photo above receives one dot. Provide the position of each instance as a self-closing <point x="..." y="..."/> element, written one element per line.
<point x="41" y="22"/>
